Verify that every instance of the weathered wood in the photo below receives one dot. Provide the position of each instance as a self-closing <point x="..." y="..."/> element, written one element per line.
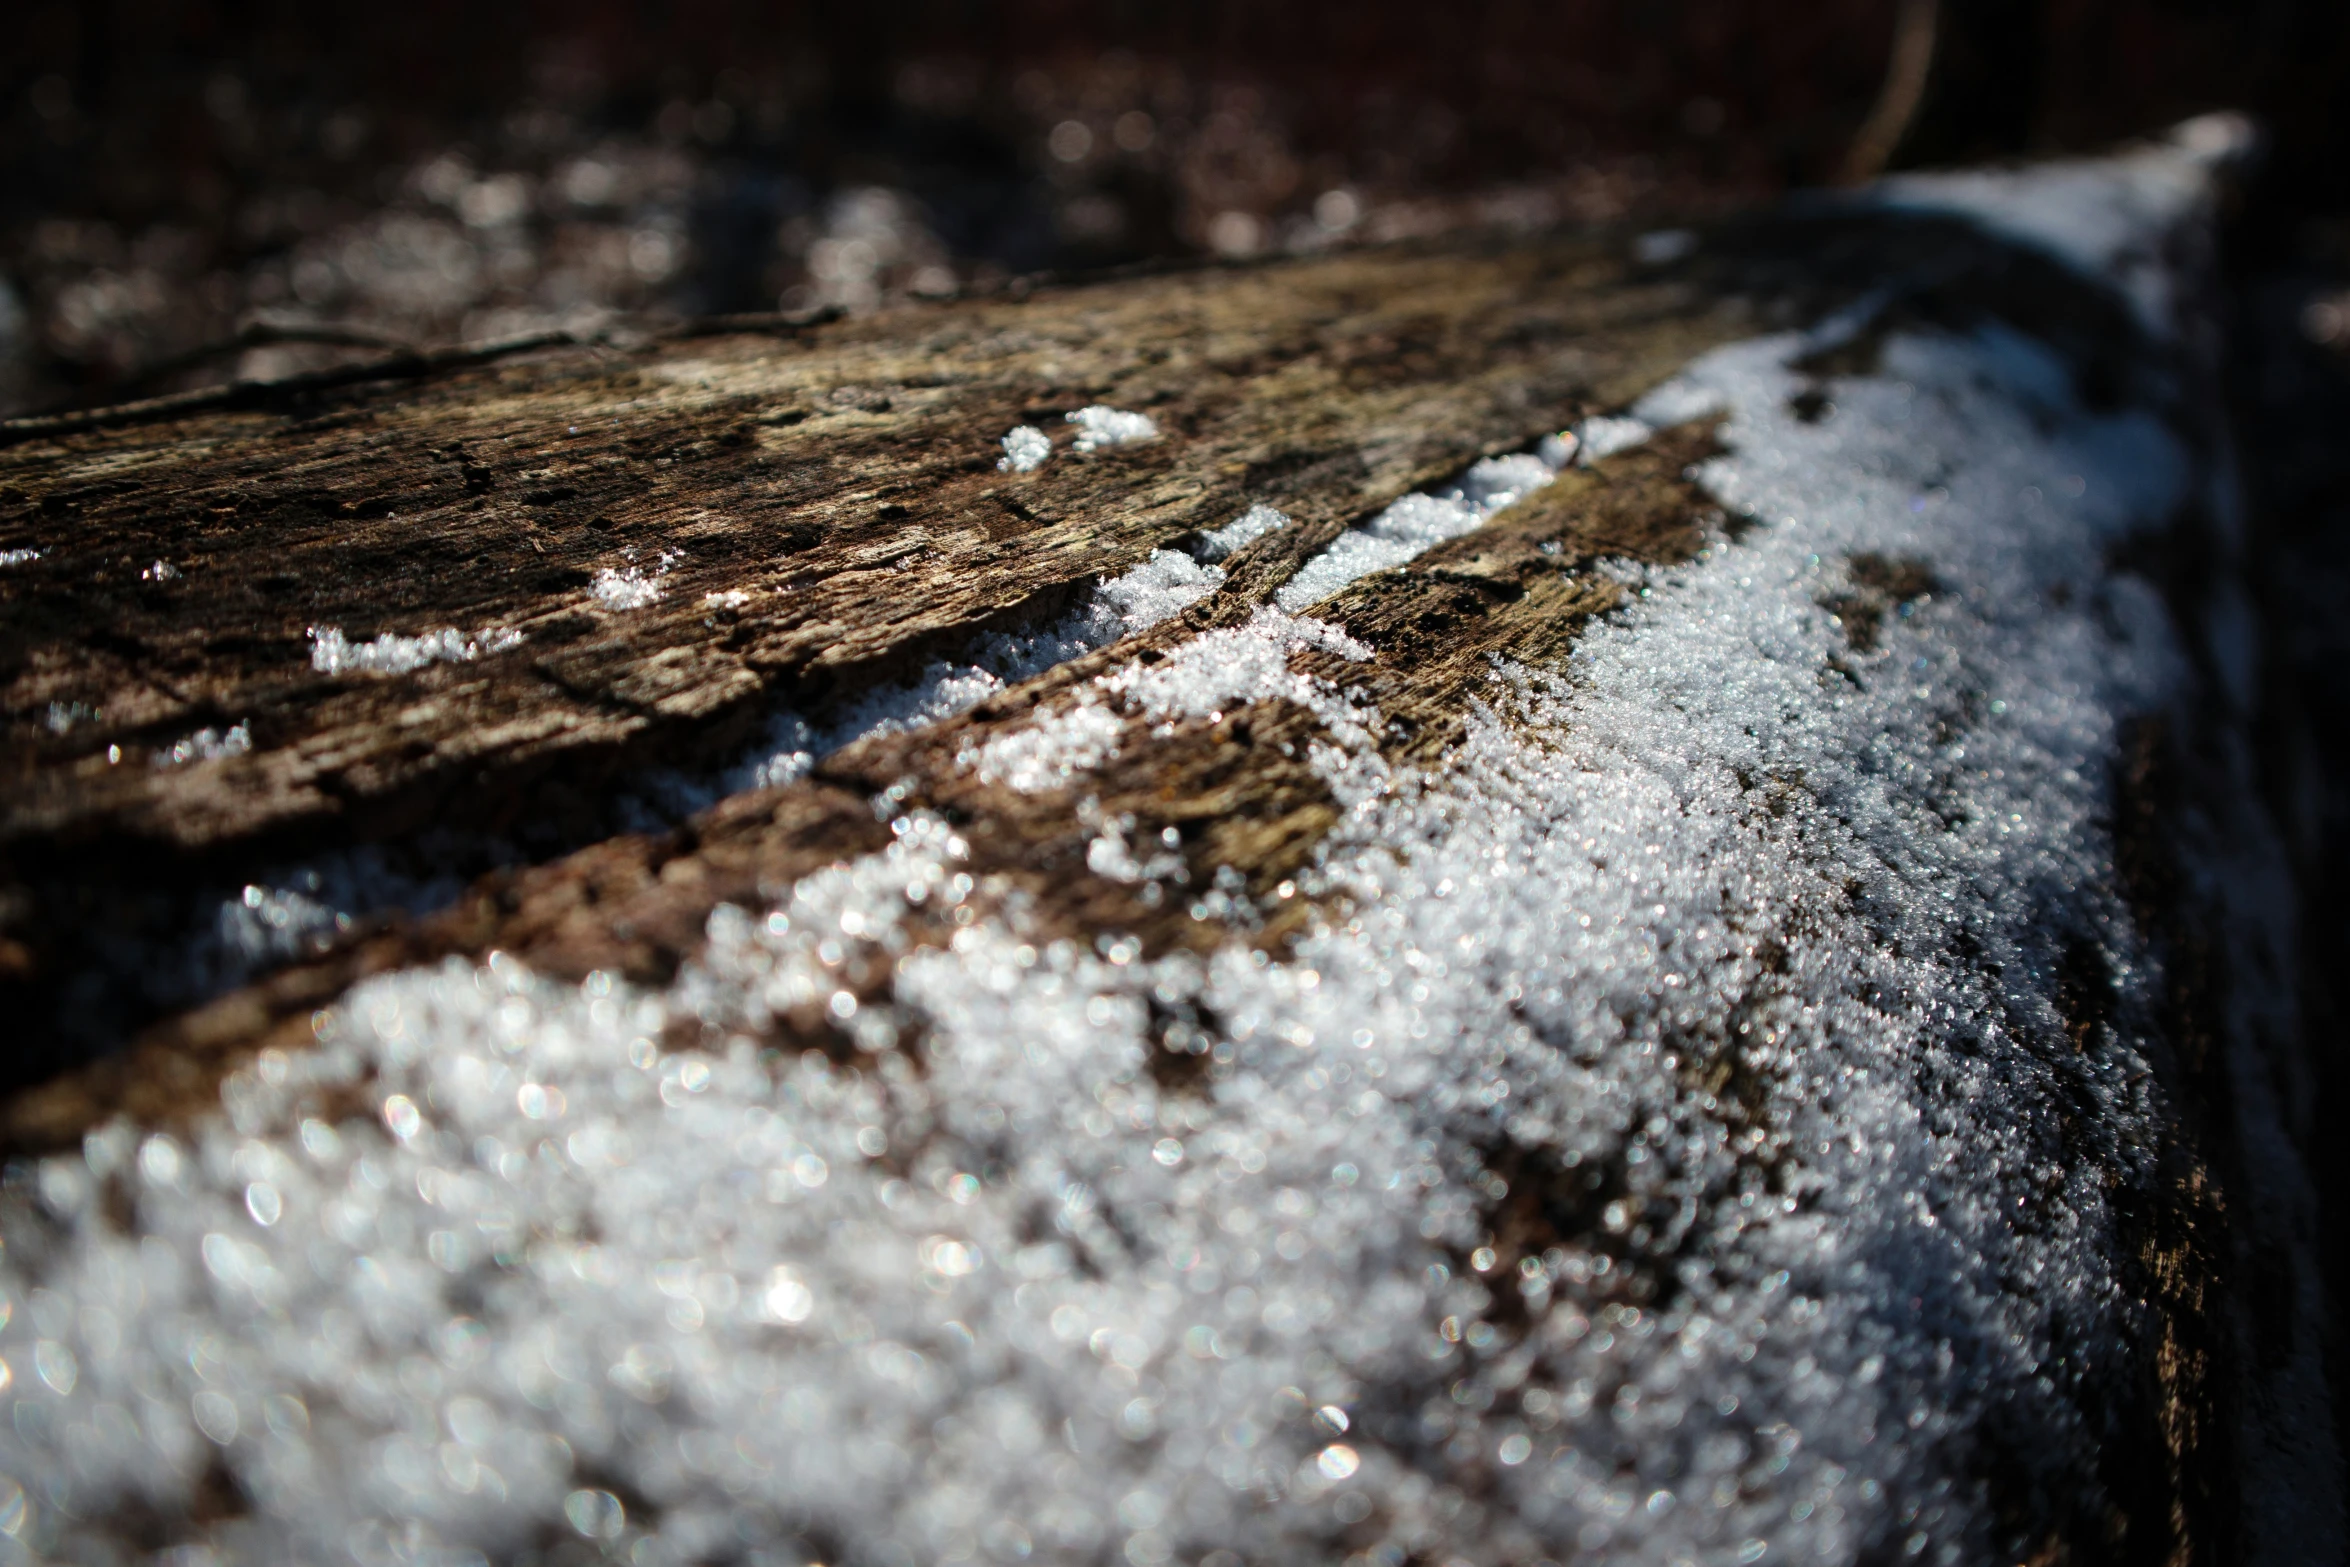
<point x="842" y="481"/>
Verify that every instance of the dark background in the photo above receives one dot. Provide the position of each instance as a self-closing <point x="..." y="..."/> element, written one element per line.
<point x="437" y="171"/>
<point x="430" y="172"/>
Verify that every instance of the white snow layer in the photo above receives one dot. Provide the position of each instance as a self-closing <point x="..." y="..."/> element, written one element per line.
<point x="1243" y="530"/>
<point x="1025" y="449"/>
<point x="1100" y="425"/>
<point x="332" y="653"/>
<point x="789" y="745"/>
<point x="1733" y="951"/>
<point x="1418" y="523"/>
<point x="2106" y="217"/>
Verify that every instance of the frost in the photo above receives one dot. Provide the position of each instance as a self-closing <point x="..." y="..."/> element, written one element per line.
<point x="1025" y="449"/>
<point x="1418" y="523"/>
<point x="2103" y="217"/>
<point x="1657" y="1146"/>
<point x="206" y="745"/>
<point x="331" y="653"/>
<point x="18" y="557"/>
<point x="631" y="586"/>
<point x="1602" y="436"/>
<point x="1215" y="672"/>
<point x="1164" y="584"/>
<point x="1250" y="526"/>
<point x="1100" y="426"/>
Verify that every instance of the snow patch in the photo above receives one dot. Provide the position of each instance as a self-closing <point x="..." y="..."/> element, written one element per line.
<point x="1025" y="449"/>
<point x="1244" y="530"/>
<point x="206" y="745"/>
<point x="332" y="653"/>
<point x="1099" y="426"/>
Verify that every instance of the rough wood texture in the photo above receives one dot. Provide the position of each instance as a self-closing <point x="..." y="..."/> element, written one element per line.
<point x="842" y="479"/>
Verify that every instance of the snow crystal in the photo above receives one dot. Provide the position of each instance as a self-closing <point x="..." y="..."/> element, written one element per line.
<point x="1100" y="426"/>
<point x="631" y="586"/>
<point x="206" y="745"/>
<point x="1418" y="523"/>
<point x="1218" y="670"/>
<point x="18" y="557"/>
<point x="1603" y="436"/>
<point x="789" y="745"/>
<point x="1025" y="449"/>
<point x="1250" y="526"/>
<point x="2104" y="217"/>
<point x="331" y="653"/>
<point x="1654" y="1155"/>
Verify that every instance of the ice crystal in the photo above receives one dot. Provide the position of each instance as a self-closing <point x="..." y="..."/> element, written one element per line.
<point x="1099" y="426"/>
<point x="1025" y="449"/>
<point x="207" y="745"/>
<point x="332" y="653"/>
<point x="1250" y="526"/>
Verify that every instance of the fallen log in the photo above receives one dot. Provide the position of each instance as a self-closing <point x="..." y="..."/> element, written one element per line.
<point x="1685" y="993"/>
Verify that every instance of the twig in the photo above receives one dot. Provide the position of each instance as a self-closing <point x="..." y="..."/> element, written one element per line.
<point x="1906" y="75"/>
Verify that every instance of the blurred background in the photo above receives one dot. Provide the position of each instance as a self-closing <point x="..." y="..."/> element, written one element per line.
<point x="331" y="180"/>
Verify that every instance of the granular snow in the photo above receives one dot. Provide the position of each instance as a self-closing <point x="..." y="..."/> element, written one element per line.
<point x="1418" y="523"/>
<point x="331" y="653"/>
<point x="206" y="745"/>
<point x="1661" y="1151"/>
<point x="1243" y="530"/>
<point x="1100" y="426"/>
<point x="1025" y="449"/>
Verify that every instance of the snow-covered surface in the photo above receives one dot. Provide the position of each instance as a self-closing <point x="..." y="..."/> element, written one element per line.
<point x="1418" y="523"/>
<point x="790" y="744"/>
<point x="1101" y="425"/>
<point x="2107" y="217"/>
<point x="1243" y="530"/>
<point x="1604" y="435"/>
<point x="332" y="653"/>
<point x="1025" y="449"/>
<point x="1734" y="948"/>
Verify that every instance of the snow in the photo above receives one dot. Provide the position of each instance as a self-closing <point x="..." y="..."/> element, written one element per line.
<point x="206" y="745"/>
<point x="1418" y="523"/>
<point x="631" y="586"/>
<point x="1025" y="449"/>
<point x="1733" y="946"/>
<point x="1099" y="426"/>
<point x="790" y="744"/>
<point x="1242" y="531"/>
<point x="332" y="653"/>
<point x="1604" y="436"/>
<point x="2105" y="217"/>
